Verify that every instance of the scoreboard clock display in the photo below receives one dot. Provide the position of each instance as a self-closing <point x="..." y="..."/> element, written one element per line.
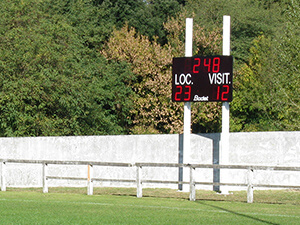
<point x="202" y="79"/>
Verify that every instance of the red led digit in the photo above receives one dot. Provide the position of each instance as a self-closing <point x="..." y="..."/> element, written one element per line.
<point x="222" y="91"/>
<point x="178" y="93"/>
<point x="216" y="65"/>
<point x="196" y="65"/>
<point x="223" y="98"/>
<point x="188" y="65"/>
<point x="187" y="93"/>
<point x="218" y="92"/>
<point x="207" y="64"/>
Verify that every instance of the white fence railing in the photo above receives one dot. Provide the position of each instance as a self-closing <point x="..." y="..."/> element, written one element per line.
<point x="140" y="180"/>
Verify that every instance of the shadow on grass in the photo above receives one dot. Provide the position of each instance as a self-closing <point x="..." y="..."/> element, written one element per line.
<point x="236" y="213"/>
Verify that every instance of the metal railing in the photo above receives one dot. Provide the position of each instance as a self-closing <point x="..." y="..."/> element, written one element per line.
<point x="140" y="180"/>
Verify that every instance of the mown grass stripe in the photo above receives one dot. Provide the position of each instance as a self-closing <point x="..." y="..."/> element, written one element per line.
<point x="147" y="206"/>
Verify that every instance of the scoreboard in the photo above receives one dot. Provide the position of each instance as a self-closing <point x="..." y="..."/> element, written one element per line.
<point x="202" y="79"/>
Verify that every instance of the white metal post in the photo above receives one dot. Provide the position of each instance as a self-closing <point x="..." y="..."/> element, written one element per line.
<point x="224" y="156"/>
<point x="139" y="190"/>
<point x="250" y="186"/>
<point x="192" y="185"/>
<point x="187" y="105"/>
<point x="45" y="180"/>
<point x="3" y="171"/>
<point x="90" y="180"/>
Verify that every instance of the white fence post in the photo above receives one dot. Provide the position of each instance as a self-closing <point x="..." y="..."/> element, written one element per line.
<point x="192" y="185"/>
<point x="139" y="190"/>
<point x="45" y="179"/>
<point x="250" y="186"/>
<point x="3" y="182"/>
<point x="90" y="180"/>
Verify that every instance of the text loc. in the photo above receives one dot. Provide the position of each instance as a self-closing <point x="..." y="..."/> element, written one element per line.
<point x="183" y="79"/>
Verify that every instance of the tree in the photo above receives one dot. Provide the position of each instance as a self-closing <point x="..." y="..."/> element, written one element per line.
<point x="152" y="18"/>
<point x="147" y="17"/>
<point x="267" y="87"/>
<point x="249" y="19"/>
<point x="93" y="22"/>
<point x="52" y="83"/>
<point x="151" y="63"/>
<point x="286" y="70"/>
<point x="251" y="109"/>
<point x="153" y="111"/>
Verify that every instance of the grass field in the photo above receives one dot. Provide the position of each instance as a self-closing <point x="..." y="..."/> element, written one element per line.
<point x="120" y="206"/>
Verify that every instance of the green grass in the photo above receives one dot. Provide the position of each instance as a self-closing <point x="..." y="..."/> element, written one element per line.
<point x="162" y="206"/>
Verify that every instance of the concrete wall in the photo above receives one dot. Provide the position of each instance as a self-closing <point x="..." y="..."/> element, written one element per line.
<point x="261" y="148"/>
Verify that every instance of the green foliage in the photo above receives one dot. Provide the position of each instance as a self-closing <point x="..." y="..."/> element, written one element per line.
<point x="153" y="111"/>
<point x="154" y="15"/>
<point x="52" y="83"/>
<point x="267" y="88"/>
<point x="147" y="17"/>
<point x="249" y="109"/>
<point x="286" y="69"/>
<point x="90" y="20"/>
<point x="249" y="19"/>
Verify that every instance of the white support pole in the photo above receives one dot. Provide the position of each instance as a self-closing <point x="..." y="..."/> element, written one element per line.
<point x="189" y="37"/>
<point x="224" y="156"/>
<point x="250" y="186"/>
<point x="139" y="189"/>
<point x="226" y="35"/>
<point x="192" y="184"/>
<point x="187" y="105"/>
<point x="45" y="180"/>
<point x="90" y="180"/>
<point x="3" y="171"/>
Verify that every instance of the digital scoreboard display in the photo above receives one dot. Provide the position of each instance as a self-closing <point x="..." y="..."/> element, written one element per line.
<point x="202" y="79"/>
